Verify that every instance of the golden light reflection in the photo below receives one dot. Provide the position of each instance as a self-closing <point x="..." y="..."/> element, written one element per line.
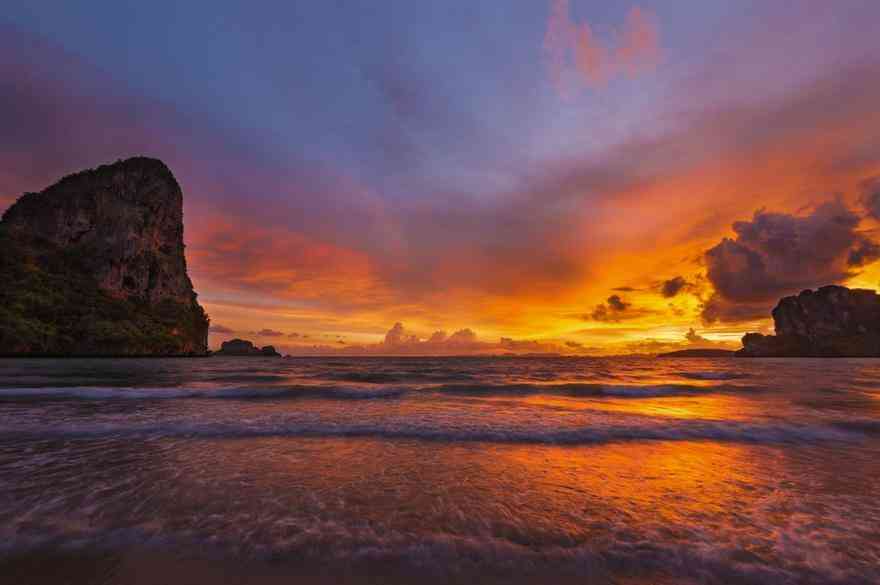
<point x="702" y="407"/>
<point x="589" y="489"/>
<point x="559" y="496"/>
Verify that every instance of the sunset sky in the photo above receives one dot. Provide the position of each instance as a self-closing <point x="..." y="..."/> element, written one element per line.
<point x="494" y="175"/>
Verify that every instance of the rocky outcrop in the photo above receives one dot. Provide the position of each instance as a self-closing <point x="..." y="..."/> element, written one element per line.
<point x="244" y="348"/>
<point x="95" y="264"/>
<point x="833" y="321"/>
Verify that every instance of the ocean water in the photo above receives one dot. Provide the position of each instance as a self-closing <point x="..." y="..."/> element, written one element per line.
<point x="451" y="470"/>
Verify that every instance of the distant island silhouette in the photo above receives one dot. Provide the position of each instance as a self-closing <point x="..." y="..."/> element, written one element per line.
<point x="700" y="353"/>
<point x="244" y="348"/>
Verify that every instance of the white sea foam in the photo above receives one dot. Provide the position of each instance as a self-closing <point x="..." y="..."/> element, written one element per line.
<point x="623" y="429"/>
<point x="367" y="391"/>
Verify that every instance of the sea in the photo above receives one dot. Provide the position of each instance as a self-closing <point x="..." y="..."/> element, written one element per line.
<point x="628" y="470"/>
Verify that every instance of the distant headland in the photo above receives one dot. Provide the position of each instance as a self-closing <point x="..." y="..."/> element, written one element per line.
<point x="94" y="265"/>
<point x="699" y="353"/>
<point x="832" y="321"/>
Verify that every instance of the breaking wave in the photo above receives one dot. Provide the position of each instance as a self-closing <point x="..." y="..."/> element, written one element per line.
<point x="636" y="429"/>
<point x="331" y="392"/>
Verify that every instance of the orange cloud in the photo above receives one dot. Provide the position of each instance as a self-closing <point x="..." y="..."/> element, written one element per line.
<point x="400" y="340"/>
<point x="232" y="257"/>
<point x="639" y="44"/>
<point x="633" y="216"/>
<point x="577" y="57"/>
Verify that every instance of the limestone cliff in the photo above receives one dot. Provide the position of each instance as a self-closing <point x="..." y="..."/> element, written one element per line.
<point x="833" y="321"/>
<point x="95" y="265"/>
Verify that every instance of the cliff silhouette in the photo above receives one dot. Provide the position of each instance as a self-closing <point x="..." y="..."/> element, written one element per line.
<point x="832" y="321"/>
<point x="95" y="265"/>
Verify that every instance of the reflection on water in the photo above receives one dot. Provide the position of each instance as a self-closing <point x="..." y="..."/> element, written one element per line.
<point x="615" y="471"/>
<point x="702" y="407"/>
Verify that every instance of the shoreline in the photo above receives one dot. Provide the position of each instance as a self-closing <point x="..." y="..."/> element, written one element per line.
<point x="145" y="567"/>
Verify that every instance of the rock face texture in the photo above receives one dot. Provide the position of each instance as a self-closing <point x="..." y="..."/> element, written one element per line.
<point x="832" y="321"/>
<point x="241" y="347"/>
<point x="95" y="265"/>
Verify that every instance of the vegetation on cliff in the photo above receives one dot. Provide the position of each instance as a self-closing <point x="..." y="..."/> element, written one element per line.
<point x="94" y="266"/>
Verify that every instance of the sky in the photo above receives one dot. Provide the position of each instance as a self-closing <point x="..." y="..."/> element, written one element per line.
<point x="473" y="176"/>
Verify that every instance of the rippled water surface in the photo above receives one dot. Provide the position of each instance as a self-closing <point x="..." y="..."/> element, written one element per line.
<point x="385" y="470"/>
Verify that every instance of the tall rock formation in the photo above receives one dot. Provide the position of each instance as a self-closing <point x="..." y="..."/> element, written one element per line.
<point x="95" y="265"/>
<point x="833" y="321"/>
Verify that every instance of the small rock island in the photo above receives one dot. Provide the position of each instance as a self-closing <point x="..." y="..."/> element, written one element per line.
<point x="832" y="321"/>
<point x="95" y="265"/>
<point x="244" y="348"/>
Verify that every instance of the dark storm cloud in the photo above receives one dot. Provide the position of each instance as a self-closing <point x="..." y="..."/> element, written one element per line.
<point x="615" y="303"/>
<point x="776" y="254"/>
<point x="613" y="309"/>
<point x="864" y="253"/>
<point x="871" y="196"/>
<point x="673" y="286"/>
<point x="718" y="309"/>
